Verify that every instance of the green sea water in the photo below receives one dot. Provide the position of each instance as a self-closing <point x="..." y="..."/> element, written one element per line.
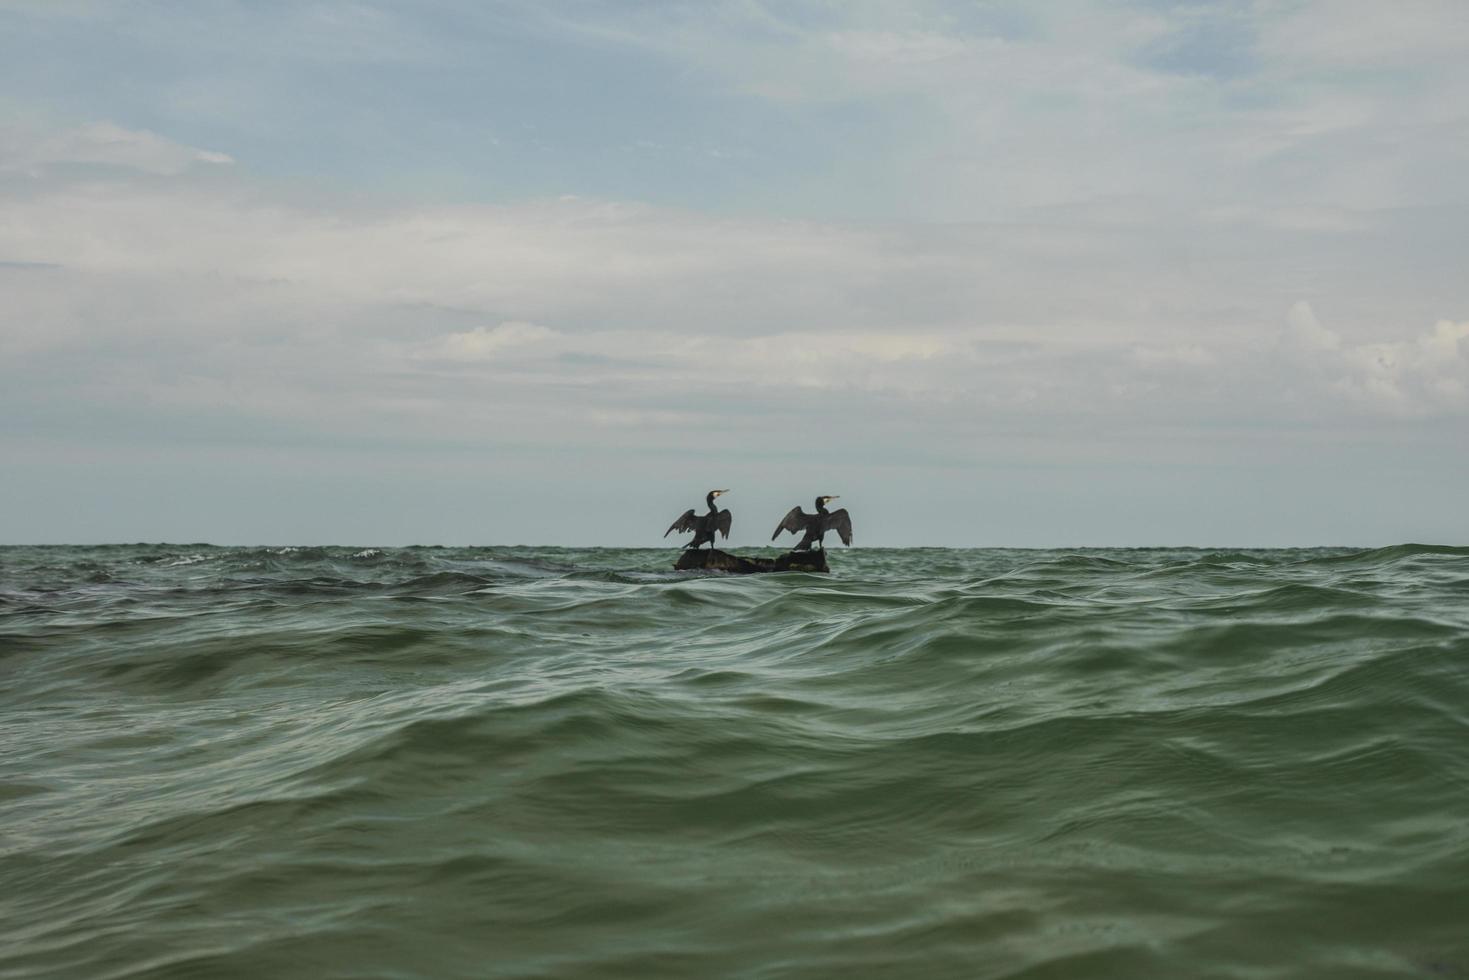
<point x="521" y="762"/>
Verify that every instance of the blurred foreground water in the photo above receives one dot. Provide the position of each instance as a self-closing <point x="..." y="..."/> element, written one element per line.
<point x="519" y="762"/>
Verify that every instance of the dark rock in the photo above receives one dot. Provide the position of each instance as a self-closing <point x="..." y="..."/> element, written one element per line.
<point x="721" y="561"/>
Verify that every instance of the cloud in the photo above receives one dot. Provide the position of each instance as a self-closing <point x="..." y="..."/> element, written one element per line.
<point x="1305" y="333"/>
<point x="897" y="48"/>
<point x="926" y="110"/>
<point x="374" y="319"/>
<point x="490" y="343"/>
<point x="1417" y="377"/>
<point x="927" y="233"/>
<point x="1336" y="34"/>
<point x="1426" y="376"/>
<point x="104" y="144"/>
<point x="1307" y="105"/>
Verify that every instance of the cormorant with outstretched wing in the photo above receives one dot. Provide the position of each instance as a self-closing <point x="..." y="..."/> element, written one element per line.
<point x="816" y="525"/>
<point x="703" y="525"/>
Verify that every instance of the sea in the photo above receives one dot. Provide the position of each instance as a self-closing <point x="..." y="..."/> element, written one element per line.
<point x="360" y="762"/>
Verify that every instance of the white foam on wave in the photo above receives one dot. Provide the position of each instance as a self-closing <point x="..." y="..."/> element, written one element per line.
<point x="367" y="553"/>
<point x="191" y="560"/>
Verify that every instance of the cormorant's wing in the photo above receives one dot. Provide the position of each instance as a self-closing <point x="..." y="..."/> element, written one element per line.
<point x="841" y="522"/>
<point x="794" y="522"/>
<point x="722" y="522"/>
<point x="686" y="523"/>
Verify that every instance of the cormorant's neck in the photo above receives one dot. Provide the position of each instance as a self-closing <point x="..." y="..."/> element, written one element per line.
<point x="820" y="506"/>
<point x="712" y="508"/>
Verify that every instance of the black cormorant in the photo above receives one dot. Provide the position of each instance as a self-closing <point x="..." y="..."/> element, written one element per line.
<point x="703" y="525"/>
<point x="816" y="525"/>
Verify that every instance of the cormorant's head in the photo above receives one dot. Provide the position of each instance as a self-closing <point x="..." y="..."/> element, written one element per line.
<point x="717" y="493"/>
<point x="821" y="502"/>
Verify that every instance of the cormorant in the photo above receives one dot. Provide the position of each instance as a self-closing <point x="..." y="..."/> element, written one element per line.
<point x="816" y="525"/>
<point x="703" y="525"/>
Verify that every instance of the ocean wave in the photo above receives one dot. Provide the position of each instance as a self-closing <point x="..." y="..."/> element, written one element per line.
<point x="540" y="762"/>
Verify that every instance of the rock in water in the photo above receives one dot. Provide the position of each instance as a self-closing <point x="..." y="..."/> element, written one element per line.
<point x="721" y="561"/>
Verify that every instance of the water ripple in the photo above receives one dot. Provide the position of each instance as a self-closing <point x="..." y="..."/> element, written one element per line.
<point x="521" y="762"/>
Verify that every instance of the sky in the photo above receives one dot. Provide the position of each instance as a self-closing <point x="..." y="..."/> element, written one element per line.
<point x="1062" y="274"/>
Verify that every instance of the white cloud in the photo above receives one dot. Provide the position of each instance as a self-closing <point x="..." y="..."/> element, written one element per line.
<point x="898" y="48"/>
<point x="207" y="306"/>
<point x="1365" y="34"/>
<point x="1414" y="377"/>
<point x="1189" y="355"/>
<point x="1286" y="218"/>
<point x="28" y="151"/>
<point x="904" y="230"/>
<point x="1425" y="376"/>
<point x="490" y="343"/>
<point x="1070" y="108"/>
<point x="1305" y="333"/>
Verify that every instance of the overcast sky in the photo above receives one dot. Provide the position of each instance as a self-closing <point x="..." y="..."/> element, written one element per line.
<point x="998" y="273"/>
